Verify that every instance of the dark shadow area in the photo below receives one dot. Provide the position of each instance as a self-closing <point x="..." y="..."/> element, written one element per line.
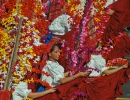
<point x="126" y="90"/>
<point x="127" y="30"/>
<point x="126" y="87"/>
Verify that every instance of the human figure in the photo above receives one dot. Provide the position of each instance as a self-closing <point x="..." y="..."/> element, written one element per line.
<point x="119" y="19"/>
<point x="119" y="12"/>
<point x="98" y="64"/>
<point x="68" y="86"/>
<point x="56" y="71"/>
<point x="59" y="26"/>
<point x="22" y="92"/>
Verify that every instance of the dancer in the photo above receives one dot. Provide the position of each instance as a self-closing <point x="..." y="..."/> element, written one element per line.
<point x="22" y="92"/>
<point x="67" y="87"/>
<point x="114" y="33"/>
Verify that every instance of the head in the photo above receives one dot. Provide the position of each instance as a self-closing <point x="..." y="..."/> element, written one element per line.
<point x="55" y="52"/>
<point x="98" y="46"/>
<point x="64" y="8"/>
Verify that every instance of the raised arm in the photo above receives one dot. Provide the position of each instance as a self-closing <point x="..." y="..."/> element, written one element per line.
<point x="70" y="78"/>
<point x="66" y="74"/>
<point x="109" y="72"/>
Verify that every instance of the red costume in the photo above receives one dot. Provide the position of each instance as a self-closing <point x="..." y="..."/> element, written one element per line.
<point x="55" y="10"/>
<point x="102" y="88"/>
<point x="121" y="49"/>
<point x="119" y="20"/>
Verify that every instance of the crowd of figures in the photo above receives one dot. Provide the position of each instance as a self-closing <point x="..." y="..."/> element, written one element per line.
<point x="97" y="81"/>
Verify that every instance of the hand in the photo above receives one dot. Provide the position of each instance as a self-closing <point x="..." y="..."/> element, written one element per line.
<point x="125" y="66"/>
<point x="110" y="12"/>
<point x="66" y="74"/>
<point x="52" y="90"/>
<point x="82" y="74"/>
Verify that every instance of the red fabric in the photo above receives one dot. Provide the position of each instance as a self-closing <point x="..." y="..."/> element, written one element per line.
<point x="120" y="5"/>
<point x="5" y="95"/>
<point x="108" y="87"/>
<point x="55" y="10"/>
<point x="32" y="85"/>
<point x="70" y="39"/>
<point x="119" y="20"/>
<point x="1" y="2"/>
<point x="121" y="49"/>
<point x="103" y="88"/>
<point x="64" y="91"/>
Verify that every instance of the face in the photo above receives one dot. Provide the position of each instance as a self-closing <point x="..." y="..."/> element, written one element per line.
<point x="64" y="10"/>
<point x="55" y="54"/>
<point x="99" y="48"/>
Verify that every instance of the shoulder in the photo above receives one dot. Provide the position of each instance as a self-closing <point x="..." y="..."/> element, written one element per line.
<point x="54" y="65"/>
<point x="21" y="90"/>
<point x="95" y="56"/>
<point x="98" y="58"/>
<point x="63" y="16"/>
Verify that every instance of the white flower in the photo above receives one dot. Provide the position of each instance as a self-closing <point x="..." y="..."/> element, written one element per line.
<point x="37" y="59"/>
<point x="37" y="42"/>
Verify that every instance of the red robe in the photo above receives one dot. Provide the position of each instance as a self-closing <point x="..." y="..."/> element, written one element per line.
<point x="102" y="88"/>
<point x="119" y="20"/>
<point x="70" y="38"/>
<point x="121" y="49"/>
<point x="54" y="10"/>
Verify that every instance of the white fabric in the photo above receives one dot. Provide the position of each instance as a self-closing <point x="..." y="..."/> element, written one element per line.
<point x="109" y="2"/>
<point x="21" y="91"/>
<point x="56" y="72"/>
<point x="60" y="25"/>
<point x="97" y="62"/>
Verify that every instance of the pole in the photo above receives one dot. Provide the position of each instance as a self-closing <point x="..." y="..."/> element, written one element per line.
<point x="14" y="52"/>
